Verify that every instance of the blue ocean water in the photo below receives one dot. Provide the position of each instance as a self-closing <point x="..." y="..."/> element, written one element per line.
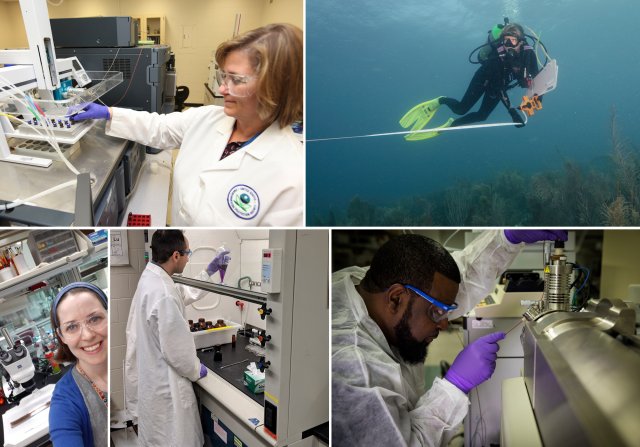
<point x="369" y="62"/>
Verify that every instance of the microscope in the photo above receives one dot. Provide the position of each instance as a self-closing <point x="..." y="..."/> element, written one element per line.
<point x="18" y="369"/>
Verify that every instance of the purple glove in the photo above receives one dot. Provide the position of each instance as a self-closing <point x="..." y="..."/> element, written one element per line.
<point x="475" y="363"/>
<point x="203" y="370"/>
<point x="219" y="263"/>
<point x="92" y="111"/>
<point x="531" y="236"/>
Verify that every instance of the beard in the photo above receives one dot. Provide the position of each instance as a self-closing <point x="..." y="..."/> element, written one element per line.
<point x="411" y="350"/>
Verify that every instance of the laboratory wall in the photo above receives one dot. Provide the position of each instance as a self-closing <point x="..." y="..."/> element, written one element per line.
<point x="123" y="283"/>
<point x="8" y="37"/>
<point x="287" y="11"/>
<point x="194" y="28"/>
<point x="246" y="249"/>
<point x="620" y="260"/>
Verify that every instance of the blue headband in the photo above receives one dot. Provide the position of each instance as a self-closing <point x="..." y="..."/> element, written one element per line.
<point x="77" y="285"/>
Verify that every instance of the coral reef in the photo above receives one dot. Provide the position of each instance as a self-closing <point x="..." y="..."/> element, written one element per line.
<point x="575" y="195"/>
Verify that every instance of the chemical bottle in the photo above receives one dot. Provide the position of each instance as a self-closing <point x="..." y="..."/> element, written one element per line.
<point x="49" y="356"/>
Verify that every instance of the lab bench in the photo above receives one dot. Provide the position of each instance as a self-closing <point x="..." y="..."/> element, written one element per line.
<point x="222" y="393"/>
<point x="98" y="154"/>
<point x="233" y="374"/>
<point x="41" y="381"/>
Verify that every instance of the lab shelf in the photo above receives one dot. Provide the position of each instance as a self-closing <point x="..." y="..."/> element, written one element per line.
<point x="46" y="270"/>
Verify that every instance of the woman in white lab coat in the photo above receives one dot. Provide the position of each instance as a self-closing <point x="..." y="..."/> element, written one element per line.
<point x="240" y="164"/>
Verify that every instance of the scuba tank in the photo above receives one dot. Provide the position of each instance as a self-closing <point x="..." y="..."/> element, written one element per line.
<point x="493" y="42"/>
<point x="486" y="50"/>
<point x="489" y="50"/>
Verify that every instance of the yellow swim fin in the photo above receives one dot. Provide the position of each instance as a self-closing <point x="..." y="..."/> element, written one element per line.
<point x="421" y="114"/>
<point x="427" y="135"/>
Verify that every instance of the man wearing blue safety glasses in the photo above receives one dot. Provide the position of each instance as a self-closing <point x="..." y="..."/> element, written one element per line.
<point x="383" y="319"/>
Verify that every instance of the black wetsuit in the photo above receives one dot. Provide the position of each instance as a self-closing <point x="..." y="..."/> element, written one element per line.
<point x="494" y="77"/>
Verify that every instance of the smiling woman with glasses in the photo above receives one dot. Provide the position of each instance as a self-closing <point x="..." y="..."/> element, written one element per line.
<point x="78" y="414"/>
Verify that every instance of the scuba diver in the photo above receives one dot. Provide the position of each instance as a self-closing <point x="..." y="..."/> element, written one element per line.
<point x="507" y="60"/>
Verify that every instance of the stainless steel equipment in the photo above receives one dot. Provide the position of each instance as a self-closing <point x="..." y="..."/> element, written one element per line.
<point x="581" y="375"/>
<point x="557" y="275"/>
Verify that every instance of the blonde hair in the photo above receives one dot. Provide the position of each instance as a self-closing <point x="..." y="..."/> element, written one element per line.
<point x="275" y="52"/>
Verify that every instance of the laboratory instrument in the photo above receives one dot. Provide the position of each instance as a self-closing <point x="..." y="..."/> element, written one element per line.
<point x="567" y="374"/>
<point x="539" y="273"/>
<point x="114" y="31"/>
<point x="17" y="367"/>
<point x="39" y="93"/>
<point x="43" y="92"/>
<point x="580" y="383"/>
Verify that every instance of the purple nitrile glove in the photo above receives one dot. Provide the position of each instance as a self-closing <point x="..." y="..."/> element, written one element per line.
<point x="475" y="363"/>
<point x="92" y="111"/>
<point x="203" y="370"/>
<point x="532" y="236"/>
<point x="218" y="264"/>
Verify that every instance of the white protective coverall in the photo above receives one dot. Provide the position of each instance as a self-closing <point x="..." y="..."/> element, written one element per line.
<point x="377" y="398"/>
<point x="161" y="362"/>
<point x="259" y="185"/>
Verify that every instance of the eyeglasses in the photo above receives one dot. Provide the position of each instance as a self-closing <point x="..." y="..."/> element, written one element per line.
<point x="186" y="252"/>
<point x="237" y="85"/>
<point x="72" y="329"/>
<point x="438" y="311"/>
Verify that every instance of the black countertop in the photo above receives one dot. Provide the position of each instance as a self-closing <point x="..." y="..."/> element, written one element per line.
<point x="235" y="375"/>
<point x="232" y="374"/>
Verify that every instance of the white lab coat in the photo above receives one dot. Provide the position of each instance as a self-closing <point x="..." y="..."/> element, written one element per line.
<point x="269" y="170"/>
<point x="161" y="362"/>
<point x="377" y="398"/>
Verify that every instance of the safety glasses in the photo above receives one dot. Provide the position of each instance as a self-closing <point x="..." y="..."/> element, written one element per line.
<point x="438" y="311"/>
<point x="73" y="329"/>
<point x="187" y="252"/>
<point x="237" y="85"/>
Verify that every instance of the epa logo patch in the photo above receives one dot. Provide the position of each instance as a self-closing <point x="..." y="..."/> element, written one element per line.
<point x="244" y="202"/>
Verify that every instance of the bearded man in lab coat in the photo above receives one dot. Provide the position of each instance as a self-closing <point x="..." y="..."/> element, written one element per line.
<point x="161" y="361"/>
<point x="383" y="319"/>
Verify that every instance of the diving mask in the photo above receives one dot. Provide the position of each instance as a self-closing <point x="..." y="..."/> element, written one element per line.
<point x="511" y="41"/>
